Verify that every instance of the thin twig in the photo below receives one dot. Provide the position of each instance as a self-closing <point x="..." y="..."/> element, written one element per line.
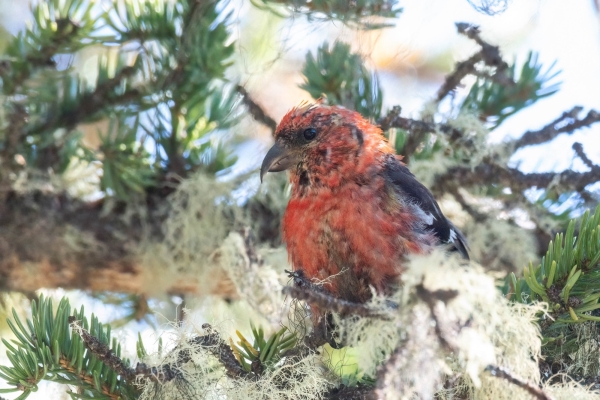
<point x="566" y="123"/>
<point x="461" y="70"/>
<point x="488" y="172"/>
<point x="255" y="110"/>
<point x="532" y="389"/>
<point x="489" y="54"/>
<point x="417" y="129"/>
<point x="328" y="302"/>
<point x="581" y="154"/>
<point x="415" y="126"/>
<point x="90" y="104"/>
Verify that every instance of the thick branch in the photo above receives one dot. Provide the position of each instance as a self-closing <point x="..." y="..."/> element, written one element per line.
<point x="432" y="298"/>
<point x="566" y="123"/>
<point x="50" y="241"/>
<point x="532" y="389"/>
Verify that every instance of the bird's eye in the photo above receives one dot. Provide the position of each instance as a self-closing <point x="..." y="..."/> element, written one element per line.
<point x="309" y="134"/>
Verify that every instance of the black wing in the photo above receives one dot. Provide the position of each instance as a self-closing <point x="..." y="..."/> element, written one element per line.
<point x="423" y="203"/>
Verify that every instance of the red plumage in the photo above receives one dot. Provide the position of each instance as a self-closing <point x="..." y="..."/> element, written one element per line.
<point x="355" y="211"/>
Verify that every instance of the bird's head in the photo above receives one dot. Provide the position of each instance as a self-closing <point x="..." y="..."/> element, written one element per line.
<point x="315" y="141"/>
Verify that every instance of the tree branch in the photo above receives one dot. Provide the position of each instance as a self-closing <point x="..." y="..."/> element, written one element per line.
<point x="388" y="370"/>
<point x="255" y="110"/>
<point x="102" y="351"/>
<point x="431" y="298"/>
<point x="488" y="172"/>
<point x="461" y="70"/>
<point x="532" y="389"/>
<point x="51" y="240"/>
<point x="216" y="345"/>
<point x="328" y="302"/>
<point x="212" y="342"/>
<point x="566" y="123"/>
<point x="418" y="129"/>
<point x="489" y="54"/>
<point x="90" y="104"/>
<point x="415" y="126"/>
<point x="359" y="392"/>
<point x="581" y="154"/>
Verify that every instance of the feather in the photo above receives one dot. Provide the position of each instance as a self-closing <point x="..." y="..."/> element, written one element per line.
<point x="416" y="196"/>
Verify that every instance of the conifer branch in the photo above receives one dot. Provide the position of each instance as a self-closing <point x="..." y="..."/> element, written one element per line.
<point x="102" y="351"/>
<point x="532" y="389"/>
<point x="212" y="342"/>
<point x="216" y="345"/>
<point x="566" y="123"/>
<point x="90" y="104"/>
<point x="415" y="126"/>
<point x="38" y="58"/>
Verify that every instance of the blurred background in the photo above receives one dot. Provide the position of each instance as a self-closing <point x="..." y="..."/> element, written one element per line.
<point x="410" y="58"/>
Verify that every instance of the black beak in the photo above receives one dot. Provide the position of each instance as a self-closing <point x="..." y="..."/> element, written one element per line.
<point x="278" y="158"/>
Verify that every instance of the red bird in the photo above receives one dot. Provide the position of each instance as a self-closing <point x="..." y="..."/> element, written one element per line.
<point x="356" y="211"/>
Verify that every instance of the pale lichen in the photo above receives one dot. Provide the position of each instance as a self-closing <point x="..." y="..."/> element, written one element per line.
<point x="476" y="328"/>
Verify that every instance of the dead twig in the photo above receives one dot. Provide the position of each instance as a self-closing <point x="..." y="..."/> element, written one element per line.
<point x="255" y="110"/>
<point x="489" y="55"/>
<point x="532" y="389"/>
<point x="578" y="148"/>
<point x="566" y="123"/>
<point x="328" y="302"/>
<point x="417" y="129"/>
<point x="489" y="172"/>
